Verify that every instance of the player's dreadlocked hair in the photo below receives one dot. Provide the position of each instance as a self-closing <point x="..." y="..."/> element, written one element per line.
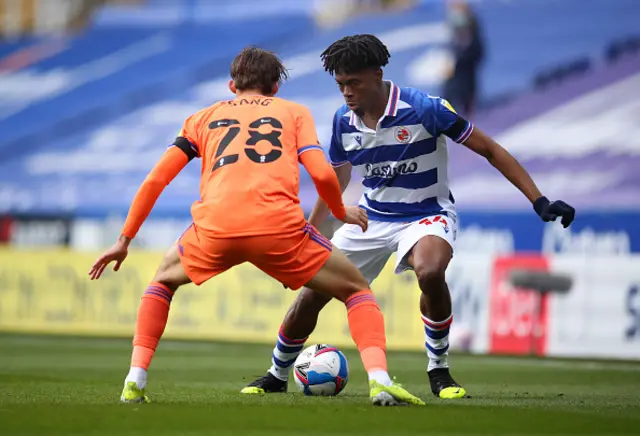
<point x="255" y="68"/>
<point x="352" y="54"/>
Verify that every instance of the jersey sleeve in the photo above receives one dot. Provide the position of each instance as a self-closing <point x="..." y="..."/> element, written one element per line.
<point x="187" y="139"/>
<point x="306" y="134"/>
<point x="440" y="118"/>
<point x="337" y="155"/>
<point x="326" y="182"/>
<point x="167" y="168"/>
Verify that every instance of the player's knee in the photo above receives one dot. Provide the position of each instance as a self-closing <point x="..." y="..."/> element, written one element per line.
<point x="166" y="271"/>
<point x="311" y="300"/>
<point x="302" y="317"/>
<point x="353" y="286"/>
<point x="309" y="303"/>
<point x="431" y="277"/>
<point x="358" y="282"/>
<point x="163" y="277"/>
<point x="166" y="265"/>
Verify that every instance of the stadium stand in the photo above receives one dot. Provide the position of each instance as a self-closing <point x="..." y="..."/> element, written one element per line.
<point x="109" y="101"/>
<point x="109" y="70"/>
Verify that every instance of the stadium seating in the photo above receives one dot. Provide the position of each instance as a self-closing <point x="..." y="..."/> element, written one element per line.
<point x="108" y="71"/>
<point x="110" y="103"/>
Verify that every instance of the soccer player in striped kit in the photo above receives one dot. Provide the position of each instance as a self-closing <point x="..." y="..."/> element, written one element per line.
<point x="396" y="138"/>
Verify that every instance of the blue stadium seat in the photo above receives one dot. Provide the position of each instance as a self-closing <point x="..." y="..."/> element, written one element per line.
<point x="84" y="148"/>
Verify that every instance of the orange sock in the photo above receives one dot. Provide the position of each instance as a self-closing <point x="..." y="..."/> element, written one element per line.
<point x="366" y="324"/>
<point x="152" y="319"/>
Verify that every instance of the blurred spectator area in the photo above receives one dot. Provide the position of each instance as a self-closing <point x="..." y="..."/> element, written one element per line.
<point x="19" y="18"/>
<point x="107" y="99"/>
<point x="332" y="13"/>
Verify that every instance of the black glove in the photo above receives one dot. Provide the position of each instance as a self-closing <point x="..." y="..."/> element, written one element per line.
<point x="550" y="210"/>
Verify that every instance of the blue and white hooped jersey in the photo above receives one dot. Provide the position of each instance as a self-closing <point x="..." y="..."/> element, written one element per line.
<point x="404" y="161"/>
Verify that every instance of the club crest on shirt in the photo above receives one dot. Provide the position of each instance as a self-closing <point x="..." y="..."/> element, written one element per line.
<point x="403" y="135"/>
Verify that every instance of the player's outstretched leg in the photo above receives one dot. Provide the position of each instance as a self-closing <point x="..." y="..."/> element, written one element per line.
<point x="298" y="324"/>
<point x="340" y="279"/>
<point x="429" y="258"/>
<point x="152" y="319"/>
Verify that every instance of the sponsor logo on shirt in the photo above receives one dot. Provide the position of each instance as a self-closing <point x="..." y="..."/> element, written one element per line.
<point x="389" y="171"/>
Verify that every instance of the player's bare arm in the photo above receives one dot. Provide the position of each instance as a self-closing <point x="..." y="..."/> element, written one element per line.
<point x="504" y="162"/>
<point x="321" y="211"/>
<point x="167" y="168"/>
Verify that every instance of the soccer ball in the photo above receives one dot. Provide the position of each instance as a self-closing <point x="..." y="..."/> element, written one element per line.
<point x="321" y="370"/>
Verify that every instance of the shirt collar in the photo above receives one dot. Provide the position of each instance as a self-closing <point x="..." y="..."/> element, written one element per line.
<point x="392" y="104"/>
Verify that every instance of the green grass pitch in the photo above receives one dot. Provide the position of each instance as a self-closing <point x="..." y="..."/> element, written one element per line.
<point x="71" y="386"/>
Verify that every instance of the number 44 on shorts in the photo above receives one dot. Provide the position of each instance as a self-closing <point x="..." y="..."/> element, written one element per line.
<point x="438" y="219"/>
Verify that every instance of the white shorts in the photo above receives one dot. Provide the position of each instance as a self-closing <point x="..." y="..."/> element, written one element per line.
<point x="370" y="251"/>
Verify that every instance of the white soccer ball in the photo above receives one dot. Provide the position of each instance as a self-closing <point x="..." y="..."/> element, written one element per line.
<point x="321" y="370"/>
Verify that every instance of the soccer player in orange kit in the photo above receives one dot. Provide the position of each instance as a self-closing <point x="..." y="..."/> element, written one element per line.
<point x="249" y="212"/>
